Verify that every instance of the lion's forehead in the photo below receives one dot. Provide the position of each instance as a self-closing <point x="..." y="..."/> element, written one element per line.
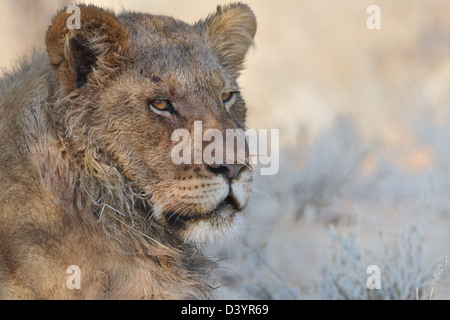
<point x="175" y="51"/>
<point x="168" y="46"/>
<point x="172" y="43"/>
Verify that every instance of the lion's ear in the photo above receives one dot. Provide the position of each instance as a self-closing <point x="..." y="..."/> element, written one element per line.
<point x="229" y="32"/>
<point x="91" y="53"/>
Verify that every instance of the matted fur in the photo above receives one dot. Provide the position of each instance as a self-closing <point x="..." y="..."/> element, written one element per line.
<point x="85" y="172"/>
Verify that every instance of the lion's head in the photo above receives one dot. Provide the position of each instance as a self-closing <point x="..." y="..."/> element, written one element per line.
<point x="131" y="81"/>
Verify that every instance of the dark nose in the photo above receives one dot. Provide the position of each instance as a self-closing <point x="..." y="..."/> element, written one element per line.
<point x="229" y="171"/>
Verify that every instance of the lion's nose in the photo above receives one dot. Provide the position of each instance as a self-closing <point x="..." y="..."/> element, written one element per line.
<point x="229" y="171"/>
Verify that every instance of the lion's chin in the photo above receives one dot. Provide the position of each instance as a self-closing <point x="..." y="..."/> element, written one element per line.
<point x="222" y="224"/>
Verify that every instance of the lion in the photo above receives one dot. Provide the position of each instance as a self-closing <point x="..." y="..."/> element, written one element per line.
<point x="86" y="177"/>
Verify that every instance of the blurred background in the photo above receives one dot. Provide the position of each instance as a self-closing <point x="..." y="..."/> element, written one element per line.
<point x="364" y="119"/>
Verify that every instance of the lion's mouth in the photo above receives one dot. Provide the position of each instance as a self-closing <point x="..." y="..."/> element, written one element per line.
<point x="224" y="211"/>
<point x="229" y="201"/>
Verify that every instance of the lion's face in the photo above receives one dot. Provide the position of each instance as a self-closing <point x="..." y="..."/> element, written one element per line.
<point x="171" y="76"/>
<point x="169" y="88"/>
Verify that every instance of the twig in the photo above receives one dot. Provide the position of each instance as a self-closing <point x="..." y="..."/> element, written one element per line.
<point x="103" y="205"/>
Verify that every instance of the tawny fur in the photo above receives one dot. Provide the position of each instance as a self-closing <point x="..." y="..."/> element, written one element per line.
<point x="84" y="162"/>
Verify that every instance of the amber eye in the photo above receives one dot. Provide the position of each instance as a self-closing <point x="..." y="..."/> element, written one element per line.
<point x="227" y="96"/>
<point x="161" y="105"/>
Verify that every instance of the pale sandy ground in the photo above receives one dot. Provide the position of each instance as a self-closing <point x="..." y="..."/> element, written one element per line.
<point x="365" y="133"/>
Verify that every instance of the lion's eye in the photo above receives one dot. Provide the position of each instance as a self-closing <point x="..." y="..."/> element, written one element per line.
<point x="161" y="105"/>
<point x="227" y="97"/>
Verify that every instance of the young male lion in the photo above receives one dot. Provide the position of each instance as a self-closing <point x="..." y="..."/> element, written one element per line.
<point x="86" y="177"/>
